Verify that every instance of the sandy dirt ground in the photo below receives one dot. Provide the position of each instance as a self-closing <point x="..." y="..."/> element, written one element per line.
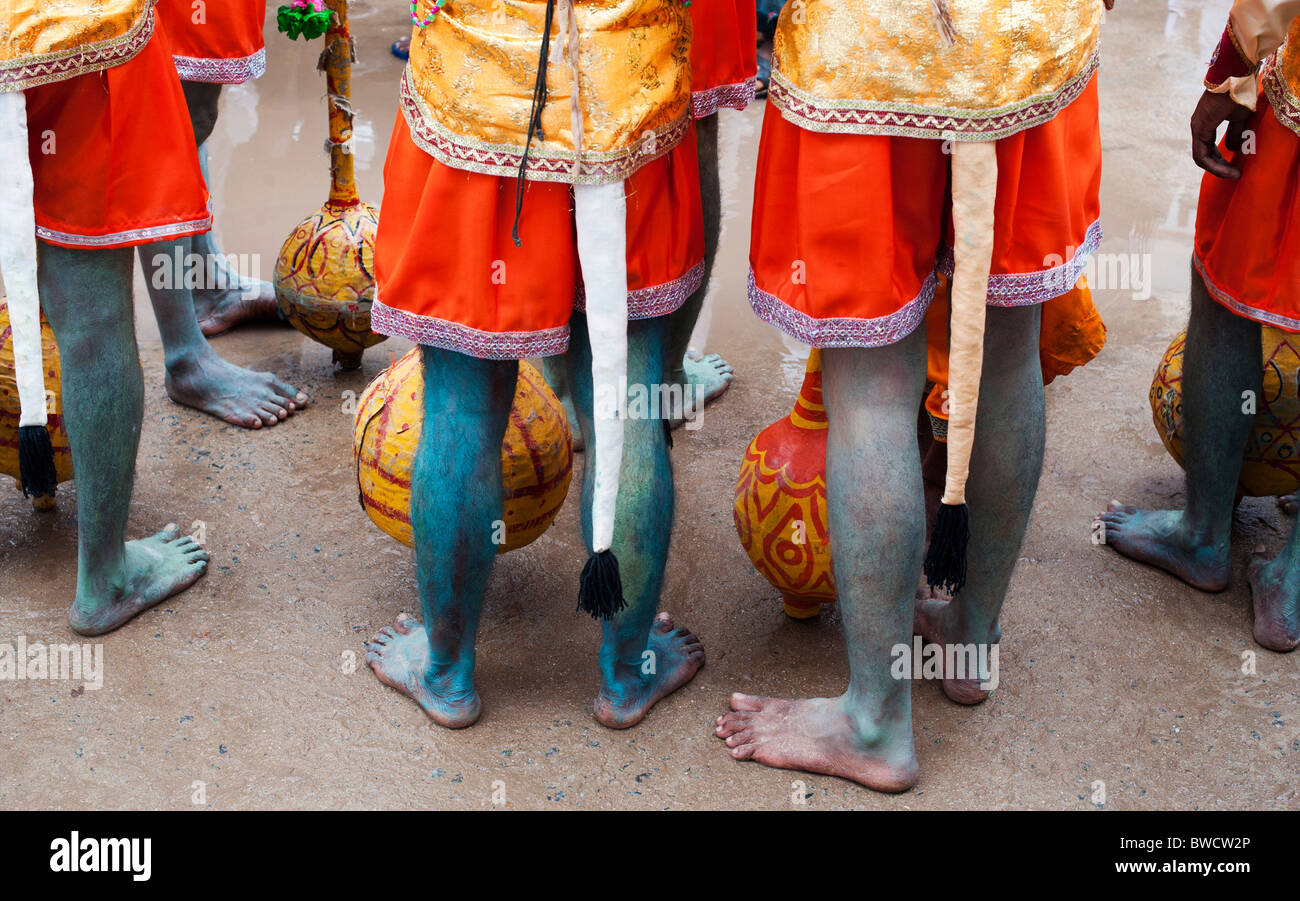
<point x="1110" y="672"/>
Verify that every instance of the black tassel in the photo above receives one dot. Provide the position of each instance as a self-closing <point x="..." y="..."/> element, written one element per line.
<point x="36" y="461"/>
<point x="945" y="563"/>
<point x="600" y="592"/>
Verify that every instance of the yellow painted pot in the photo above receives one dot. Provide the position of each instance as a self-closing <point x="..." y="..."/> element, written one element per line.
<point x="10" y="411"/>
<point x="780" y="509"/>
<point x="1272" y="464"/>
<point x="536" y="455"/>
<point x="324" y="277"/>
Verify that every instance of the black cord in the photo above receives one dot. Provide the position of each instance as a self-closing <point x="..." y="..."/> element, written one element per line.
<point x="534" y="118"/>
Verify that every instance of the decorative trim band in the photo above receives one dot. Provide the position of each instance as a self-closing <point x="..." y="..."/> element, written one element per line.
<point x="842" y="332"/>
<point x="724" y="96"/>
<point x="1285" y="103"/>
<point x="434" y="332"/>
<point x="126" y="238"/>
<point x="907" y="120"/>
<point x="659" y="300"/>
<point x="221" y="71"/>
<point x="1243" y="309"/>
<point x="30" y="72"/>
<point x="502" y="160"/>
<point x="643" y="303"/>
<point x="1028" y="288"/>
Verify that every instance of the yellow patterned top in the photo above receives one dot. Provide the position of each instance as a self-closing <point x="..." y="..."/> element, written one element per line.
<point x="467" y="92"/>
<point x="49" y="40"/>
<point x="884" y="67"/>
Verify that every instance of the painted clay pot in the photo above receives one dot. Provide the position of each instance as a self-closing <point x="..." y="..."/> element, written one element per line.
<point x="10" y="411"/>
<point x="780" y="509"/>
<point x="1271" y="467"/>
<point x="536" y="455"/>
<point x="324" y="277"/>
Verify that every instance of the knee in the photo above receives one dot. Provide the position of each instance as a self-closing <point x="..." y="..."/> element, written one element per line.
<point x="94" y="339"/>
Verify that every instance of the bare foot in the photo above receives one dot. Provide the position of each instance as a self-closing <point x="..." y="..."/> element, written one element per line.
<point x="155" y="568"/>
<point x="678" y="656"/>
<point x="708" y="377"/>
<point x="928" y="622"/>
<point x="399" y="655"/>
<point x="817" y="736"/>
<point x="238" y="396"/>
<point x="1290" y="504"/>
<point x="221" y="309"/>
<point x="925" y="593"/>
<point x="1276" y="597"/>
<point x="1160" y="538"/>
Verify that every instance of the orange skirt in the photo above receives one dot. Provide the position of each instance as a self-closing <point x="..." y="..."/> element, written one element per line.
<point x="1248" y="230"/>
<point x="851" y="231"/>
<point x="448" y="274"/>
<point x="724" y="55"/>
<point x="220" y="42"/>
<point x="113" y="155"/>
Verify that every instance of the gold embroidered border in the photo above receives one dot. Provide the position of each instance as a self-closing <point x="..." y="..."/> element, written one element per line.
<point x="1281" y="96"/>
<point x="460" y="152"/>
<point x="905" y="120"/>
<point x="30" y="72"/>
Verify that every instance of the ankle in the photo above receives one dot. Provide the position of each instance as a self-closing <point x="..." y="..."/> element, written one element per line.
<point x="1212" y="535"/>
<point x="961" y="630"/>
<point x="186" y="359"/>
<point x="878" y="732"/>
<point x="452" y="680"/>
<point x="621" y="677"/>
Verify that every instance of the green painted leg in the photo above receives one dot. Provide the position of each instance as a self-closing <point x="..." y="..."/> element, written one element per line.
<point x="707" y="376"/>
<point x="230" y="298"/>
<point x="87" y="299"/>
<point x="876" y="516"/>
<point x="467" y="408"/>
<point x="1221" y="363"/>
<point x="196" y="376"/>
<point x="644" y="656"/>
<point x="1005" y="467"/>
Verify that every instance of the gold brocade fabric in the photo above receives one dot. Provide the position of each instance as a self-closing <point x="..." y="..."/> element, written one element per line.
<point x="882" y="67"/>
<point x="467" y="92"/>
<point x="43" y="41"/>
<point x="1280" y="79"/>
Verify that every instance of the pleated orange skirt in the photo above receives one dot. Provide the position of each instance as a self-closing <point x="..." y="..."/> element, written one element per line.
<point x="851" y="231"/>
<point x="1248" y="231"/>
<point x="113" y="155"/>
<point x="724" y="55"/>
<point x="448" y="274"/>
<point x="218" y="41"/>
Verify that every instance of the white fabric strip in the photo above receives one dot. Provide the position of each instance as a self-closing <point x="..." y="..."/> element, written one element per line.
<point x="974" y="192"/>
<point x="18" y="256"/>
<point x="601" y="215"/>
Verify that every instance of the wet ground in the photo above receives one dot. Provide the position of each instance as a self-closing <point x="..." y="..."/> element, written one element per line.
<point x="1111" y="672"/>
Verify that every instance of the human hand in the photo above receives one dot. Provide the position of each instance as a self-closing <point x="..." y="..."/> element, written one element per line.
<point x="1213" y="110"/>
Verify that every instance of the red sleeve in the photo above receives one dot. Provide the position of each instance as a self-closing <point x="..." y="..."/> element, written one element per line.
<point x="1228" y="61"/>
